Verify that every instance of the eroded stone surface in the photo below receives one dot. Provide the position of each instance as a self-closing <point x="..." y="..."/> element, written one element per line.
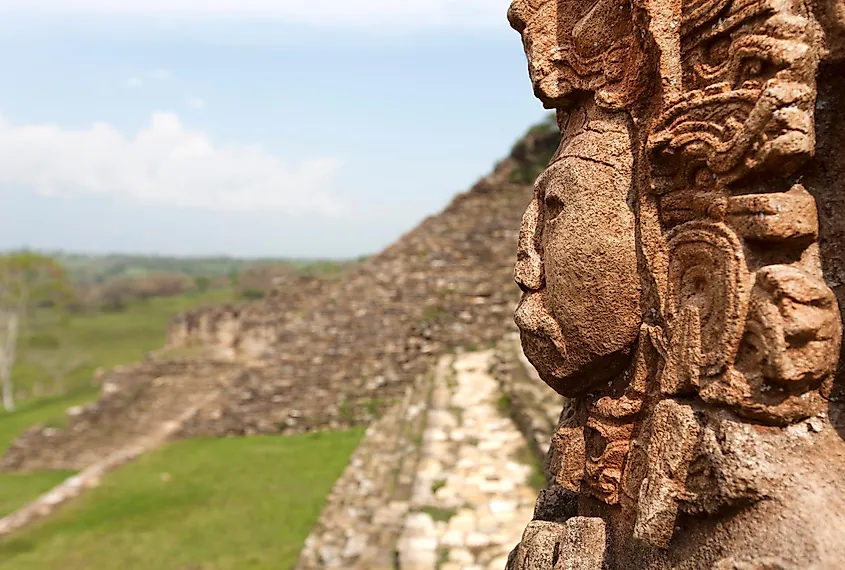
<point x="680" y="265"/>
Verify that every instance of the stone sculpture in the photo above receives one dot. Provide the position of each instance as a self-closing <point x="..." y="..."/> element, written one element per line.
<point x="677" y="285"/>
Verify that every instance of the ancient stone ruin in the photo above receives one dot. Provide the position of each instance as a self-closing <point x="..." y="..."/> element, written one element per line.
<point x="318" y="353"/>
<point x="415" y="342"/>
<point x="680" y="265"/>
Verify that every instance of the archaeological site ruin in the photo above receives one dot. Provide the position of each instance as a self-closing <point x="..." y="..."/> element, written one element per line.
<point x="681" y="266"/>
<point x="619" y="350"/>
<point x="416" y="342"/>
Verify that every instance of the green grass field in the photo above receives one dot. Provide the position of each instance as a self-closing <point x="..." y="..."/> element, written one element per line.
<point x="226" y="504"/>
<point x="17" y="490"/>
<point x="108" y="339"/>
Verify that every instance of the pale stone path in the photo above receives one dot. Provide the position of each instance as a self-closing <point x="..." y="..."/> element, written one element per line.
<point x="471" y="499"/>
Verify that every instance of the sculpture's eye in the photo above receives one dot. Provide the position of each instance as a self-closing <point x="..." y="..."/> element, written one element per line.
<point x="554" y="206"/>
<point x="755" y="70"/>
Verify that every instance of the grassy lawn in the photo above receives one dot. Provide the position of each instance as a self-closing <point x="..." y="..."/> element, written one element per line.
<point x="226" y="504"/>
<point x="108" y="339"/>
<point x="17" y="490"/>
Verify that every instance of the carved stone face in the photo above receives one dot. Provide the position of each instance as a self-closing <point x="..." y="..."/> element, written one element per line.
<point x="577" y="260"/>
<point x="732" y="392"/>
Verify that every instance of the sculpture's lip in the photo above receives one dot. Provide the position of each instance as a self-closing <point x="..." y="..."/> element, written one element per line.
<point x="532" y="316"/>
<point x="535" y="322"/>
<point x="520" y="316"/>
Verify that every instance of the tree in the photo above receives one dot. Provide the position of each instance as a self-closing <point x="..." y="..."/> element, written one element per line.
<point x="57" y="362"/>
<point x="27" y="281"/>
<point x="202" y="283"/>
<point x="161" y="285"/>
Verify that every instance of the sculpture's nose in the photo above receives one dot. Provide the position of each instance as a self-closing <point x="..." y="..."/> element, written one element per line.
<point x="531" y="316"/>
<point x="528" y="271"/>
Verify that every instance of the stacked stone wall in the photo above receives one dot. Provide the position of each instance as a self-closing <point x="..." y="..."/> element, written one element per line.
<point x="447" y="478"/>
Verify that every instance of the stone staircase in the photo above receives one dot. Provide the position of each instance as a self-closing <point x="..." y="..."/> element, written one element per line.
<point x="447" y="479"/>
<point x="365" y="513"/>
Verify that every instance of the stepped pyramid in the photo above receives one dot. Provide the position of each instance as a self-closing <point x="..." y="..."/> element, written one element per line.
<point x="321" y="354"/>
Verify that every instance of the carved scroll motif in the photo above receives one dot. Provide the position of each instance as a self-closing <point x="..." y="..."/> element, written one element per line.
<point x="707" y="273"/>
<point x="750" y="326"/>
<point x="747" y="99"/>
<point x="745" y="114"/>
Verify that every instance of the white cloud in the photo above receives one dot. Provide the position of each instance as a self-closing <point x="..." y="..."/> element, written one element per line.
<point x="165" y="163"/>
<point x="361" y="13"/>
<point x="196" y="103"/>
<point x="134" y="83"/>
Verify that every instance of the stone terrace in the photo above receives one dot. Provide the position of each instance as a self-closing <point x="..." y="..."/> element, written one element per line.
<point x="329" y="354"/>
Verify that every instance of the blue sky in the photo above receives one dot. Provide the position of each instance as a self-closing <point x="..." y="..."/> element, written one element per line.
<point x="302" y="128"/>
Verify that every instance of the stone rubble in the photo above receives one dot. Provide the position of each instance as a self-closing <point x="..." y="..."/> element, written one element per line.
<point x="136" y="401"/>
<point x="471" y="497"/>
<point x="326" y="354"/>
<point x="443" y="481"/>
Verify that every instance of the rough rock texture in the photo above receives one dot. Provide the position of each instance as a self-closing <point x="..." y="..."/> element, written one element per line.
<point x="441" y="482"/>
<point x="533" y="406"/>
<point x="246" y="332"/>
<point x="324" y="354"/>
<point x="682" y="265"/>
<point x="136" y="401"/>
<point x="360" y="525"/>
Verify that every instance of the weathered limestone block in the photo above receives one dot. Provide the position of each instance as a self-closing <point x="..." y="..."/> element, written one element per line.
<point x="682" y="267"/>
<point x="577" y="544"/>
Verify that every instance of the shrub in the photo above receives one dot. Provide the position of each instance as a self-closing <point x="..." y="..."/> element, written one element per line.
<point x="252" y="294"/>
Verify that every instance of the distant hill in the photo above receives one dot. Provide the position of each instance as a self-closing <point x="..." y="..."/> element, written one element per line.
<point x="85" y="268"/>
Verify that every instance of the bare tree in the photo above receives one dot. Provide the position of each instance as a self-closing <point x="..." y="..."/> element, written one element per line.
<point x="57" y="363"/>
<point x="27" y="282"/>
<point x="8" y="349"/>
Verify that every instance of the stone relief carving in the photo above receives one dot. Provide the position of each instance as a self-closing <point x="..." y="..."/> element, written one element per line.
<point x="673" y="285"/>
